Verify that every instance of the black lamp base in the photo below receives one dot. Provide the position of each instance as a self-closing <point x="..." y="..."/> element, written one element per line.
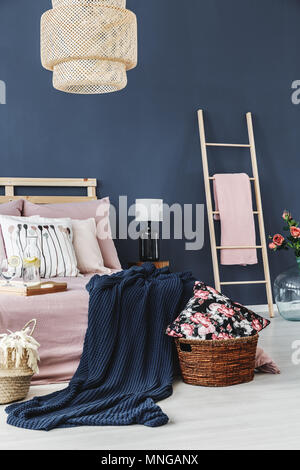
<point x="149" y="245"/>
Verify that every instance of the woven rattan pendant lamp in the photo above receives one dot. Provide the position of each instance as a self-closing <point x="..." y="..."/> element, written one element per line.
<point x="89" y="45"/>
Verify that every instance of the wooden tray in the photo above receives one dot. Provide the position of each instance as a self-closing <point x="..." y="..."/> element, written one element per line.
<point x="18" y="288"/>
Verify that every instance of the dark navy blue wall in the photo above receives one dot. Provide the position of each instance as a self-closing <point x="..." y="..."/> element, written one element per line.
<point x="226" y="57"/>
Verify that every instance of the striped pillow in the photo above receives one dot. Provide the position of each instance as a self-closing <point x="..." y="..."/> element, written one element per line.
<point x="54" y="239"/>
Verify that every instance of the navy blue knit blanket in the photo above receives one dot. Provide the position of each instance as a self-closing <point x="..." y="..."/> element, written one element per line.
<point x="127" y="363"/>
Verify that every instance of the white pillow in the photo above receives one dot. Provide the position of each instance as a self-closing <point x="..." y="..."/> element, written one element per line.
<point x="54" y="241"/>
<point x="86" y="246"/>
<point x="87" y="251"/>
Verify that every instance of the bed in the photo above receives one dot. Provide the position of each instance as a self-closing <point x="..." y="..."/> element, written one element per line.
<point x="61" y="317"/>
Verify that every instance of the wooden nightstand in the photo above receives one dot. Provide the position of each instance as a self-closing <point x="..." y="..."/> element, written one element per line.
<point x="157" y="264"/>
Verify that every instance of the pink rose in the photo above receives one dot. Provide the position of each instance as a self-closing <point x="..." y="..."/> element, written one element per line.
<point x="214" y="307"/>
<point x="256" y="325"/>
<point x="187" y="329"/>
<point x="224" y="336"/>
<point x="202" y="294"/>
<point x="295" y="232"/>
<point x="173" y="333"/>
<point x="286" y="215"/>
<point x="221" y="336"/>
<point x="272" y="246"/>
<point x="278" y="239"/>
<point x="200" y="318"/>
<point x="228" y="312"/>
<point x="196" y="318"/>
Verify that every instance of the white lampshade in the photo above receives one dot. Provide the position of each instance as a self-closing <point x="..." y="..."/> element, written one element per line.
<point x="148" y="210"/>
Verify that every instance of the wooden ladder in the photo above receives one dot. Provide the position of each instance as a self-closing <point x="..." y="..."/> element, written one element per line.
<point x="258" y="212"/>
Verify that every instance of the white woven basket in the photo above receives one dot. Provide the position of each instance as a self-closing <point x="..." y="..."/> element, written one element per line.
<point x="15" y="381"/>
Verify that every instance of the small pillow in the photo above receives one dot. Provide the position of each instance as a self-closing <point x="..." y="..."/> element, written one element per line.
<point x="87" y="251"/>
<point x="210" y="315"/>
<point x="54" y="238"/>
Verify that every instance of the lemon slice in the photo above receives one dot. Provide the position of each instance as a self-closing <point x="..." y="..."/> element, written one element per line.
<point x="34" y="261"/>
<point x="13" y="261"/>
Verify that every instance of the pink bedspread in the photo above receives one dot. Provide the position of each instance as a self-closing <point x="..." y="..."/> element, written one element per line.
<point x="61" y="326"/>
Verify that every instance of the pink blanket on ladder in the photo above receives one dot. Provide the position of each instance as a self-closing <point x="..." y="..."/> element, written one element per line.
<point x="233" y="199"/>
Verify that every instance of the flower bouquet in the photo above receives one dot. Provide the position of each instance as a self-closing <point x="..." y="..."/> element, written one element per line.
<point x="287" y="284"/>
<point x="292" y="240"/>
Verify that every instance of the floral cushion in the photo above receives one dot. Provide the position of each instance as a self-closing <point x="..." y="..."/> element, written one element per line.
<point x="211" y="315"/>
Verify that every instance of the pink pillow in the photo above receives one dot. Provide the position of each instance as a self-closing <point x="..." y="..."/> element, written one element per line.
<point x="99" y="210"/>
<point x="9" y="208"/>
<point x="86" y="246"/>
<point x="12" y="208"/>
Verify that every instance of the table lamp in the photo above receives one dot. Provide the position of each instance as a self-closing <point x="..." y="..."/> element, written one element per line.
<point x="149" y="210"/>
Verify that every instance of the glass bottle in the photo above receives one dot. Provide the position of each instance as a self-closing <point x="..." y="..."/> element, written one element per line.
<point x="31" y="261"/>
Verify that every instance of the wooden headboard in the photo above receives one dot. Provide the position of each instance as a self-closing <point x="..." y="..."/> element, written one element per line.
<point x="11" y="183"/>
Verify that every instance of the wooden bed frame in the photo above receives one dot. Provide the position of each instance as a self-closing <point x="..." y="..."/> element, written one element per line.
<point x="10" y="183"/>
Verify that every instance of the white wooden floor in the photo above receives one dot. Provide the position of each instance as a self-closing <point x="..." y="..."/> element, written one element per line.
<point x="264" y="414"/>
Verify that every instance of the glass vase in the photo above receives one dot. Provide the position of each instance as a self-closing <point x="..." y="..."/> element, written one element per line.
<point x="287" y="293"/>
<point x="31" y="261"/>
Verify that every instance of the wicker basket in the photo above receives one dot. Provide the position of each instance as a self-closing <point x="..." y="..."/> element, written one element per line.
<point x="15" y="382"/>
<point x="217" y="363"/>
